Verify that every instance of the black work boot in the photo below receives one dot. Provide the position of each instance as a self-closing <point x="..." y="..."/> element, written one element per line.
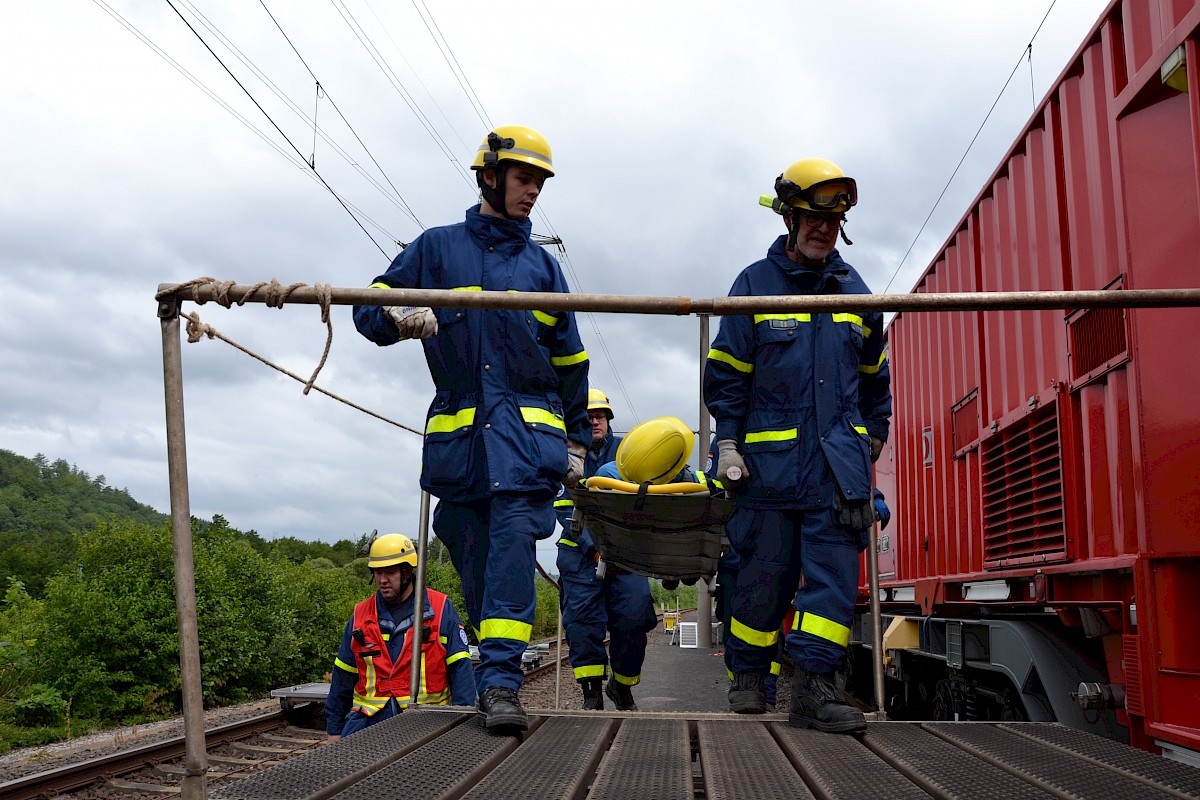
<point x="621" y="695"/>
<point x="500" y="710"/>
<point x="747" y="694"/>
<point x="593" y="694"/>
<point x="818" y="703"/>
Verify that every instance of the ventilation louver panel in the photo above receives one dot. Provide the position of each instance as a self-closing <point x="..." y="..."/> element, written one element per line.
<point x="1022" y="492"/>
<point x="1098" y="340"/>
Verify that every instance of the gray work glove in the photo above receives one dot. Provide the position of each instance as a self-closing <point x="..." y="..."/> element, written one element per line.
<point x="731" y="469"/>
<point x="575" y="456"/>
<point x="413" y="322"/>
<point x="876" y="448"/>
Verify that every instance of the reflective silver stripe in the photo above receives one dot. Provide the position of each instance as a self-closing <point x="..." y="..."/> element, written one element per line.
<point x="520" y="151"/>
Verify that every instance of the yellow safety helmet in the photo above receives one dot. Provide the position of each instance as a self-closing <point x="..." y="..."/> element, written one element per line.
<point x="655" y="451"/>
<point x="598" y="401"/>
<point x="392" y="549"/>
<point x="514" y="143"/>
<point x="813" y="184"/>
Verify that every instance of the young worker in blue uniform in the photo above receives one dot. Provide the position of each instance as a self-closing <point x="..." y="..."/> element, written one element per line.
<point x="616" y="601"/>
<point x="802" y="404"/>
<point x="508" y="423"/>
<point x="373" y="668"/>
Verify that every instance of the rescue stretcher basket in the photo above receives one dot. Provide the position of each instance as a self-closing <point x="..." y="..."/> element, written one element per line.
<point x="667" y="536"/>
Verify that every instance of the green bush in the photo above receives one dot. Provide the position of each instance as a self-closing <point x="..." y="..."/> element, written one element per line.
<point x="40" y="705"/>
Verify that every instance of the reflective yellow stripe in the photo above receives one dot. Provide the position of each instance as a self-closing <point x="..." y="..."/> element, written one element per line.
<point x="568" y="542"/>
<point x="568" y="503"/>
<point x="369" y="705"/>
<point x="861" y="429"/>
<point x="798" y="317"/>
<point x="443" y="639"/>
<point x="867" y="368"/>
<point x="634" y="681"/>
<point x="751" y="636"/>
<point x="590" y="671"/>
<point x="705" y="480"/>
<point x="379" y="285"/>
<point x="544" y="318"/>
<point x="535" y="416"/>
<point x="823" y="628"/>
<point x="445" y="423"/>
<point x="457" y="657"/>
<point x="776" y="667"/>
<point x="854" y="318"/>
<point x="337" y="662"/>
<point x="771" y="436"/>
<point x="505" y="629"/>
<point x="719" y="355"/>
<point x="729" y="672"/>
<point x="566" y="361"/>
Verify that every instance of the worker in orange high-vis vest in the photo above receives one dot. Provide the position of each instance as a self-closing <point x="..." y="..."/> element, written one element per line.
<point x="373" y="668"/>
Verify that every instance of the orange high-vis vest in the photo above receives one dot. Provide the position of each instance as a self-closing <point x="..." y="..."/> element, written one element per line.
<point x="379" y="678"/>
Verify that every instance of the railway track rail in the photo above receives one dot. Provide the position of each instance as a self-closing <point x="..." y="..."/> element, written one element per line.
<point x="154" y="770"/>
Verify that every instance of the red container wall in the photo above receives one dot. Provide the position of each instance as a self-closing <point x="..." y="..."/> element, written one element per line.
<point x="1100" y="414"/>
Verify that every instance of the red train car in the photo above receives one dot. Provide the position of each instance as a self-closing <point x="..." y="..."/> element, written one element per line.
<point x="1043" y="561"/>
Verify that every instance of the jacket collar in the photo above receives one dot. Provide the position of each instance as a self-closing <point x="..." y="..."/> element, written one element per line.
<point x="506" y="235"/>
<point x="835" y="271"/>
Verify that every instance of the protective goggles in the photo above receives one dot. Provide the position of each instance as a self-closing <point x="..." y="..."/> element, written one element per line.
<point x="823" y="196"/>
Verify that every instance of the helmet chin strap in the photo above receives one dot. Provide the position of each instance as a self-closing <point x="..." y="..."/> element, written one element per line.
<point x="494" y="195"/>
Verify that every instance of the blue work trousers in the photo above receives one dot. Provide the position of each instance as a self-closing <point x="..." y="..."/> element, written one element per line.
<point x="491" y="543"/>
<point x="781" y="546"/>
<point x="619" y="603"/>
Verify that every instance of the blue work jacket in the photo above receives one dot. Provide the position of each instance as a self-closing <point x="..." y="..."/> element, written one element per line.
<point x="564" y="506"/>
<point x="801" y="393"/>
<point x="511" y="386"/>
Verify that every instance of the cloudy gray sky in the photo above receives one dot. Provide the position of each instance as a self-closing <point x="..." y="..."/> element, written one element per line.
<point x="131" y="158"/>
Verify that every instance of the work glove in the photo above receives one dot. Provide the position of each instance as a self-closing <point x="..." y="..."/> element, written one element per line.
<point x="876" y="448"/>
<point x="731" y="469"/>
<point x="858" y="515"/>
<point x="413" y="322"/>
<point x="883" y="514"/>
<point x="575" y="455"/>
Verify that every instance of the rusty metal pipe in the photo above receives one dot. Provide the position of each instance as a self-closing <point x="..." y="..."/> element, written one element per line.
<point x="195" y="758"/>
<point x="414" y="677"/>
<point x="721" y="306"/>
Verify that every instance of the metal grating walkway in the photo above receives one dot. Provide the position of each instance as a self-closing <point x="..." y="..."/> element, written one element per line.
<point x="659" y="756"/>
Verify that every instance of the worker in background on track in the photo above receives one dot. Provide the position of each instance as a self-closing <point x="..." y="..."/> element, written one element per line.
<point x="802" y="404"/>
<point x="616" y="602"/>
<point x="508" y="422"/>
<point x="373" y="669"/>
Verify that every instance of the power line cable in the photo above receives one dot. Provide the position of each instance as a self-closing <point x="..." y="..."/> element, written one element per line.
<point x="398" y="85"/>
<point x="277" y="128"/>
<point x="395" y="198"/>
<point x="198" y="83"/>
<point x="407" y="209"/>
<point x="473" y="98"/>
<point x="1028" y="48"/>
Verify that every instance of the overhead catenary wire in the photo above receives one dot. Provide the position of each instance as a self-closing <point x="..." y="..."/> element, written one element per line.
<point x="394" y="197"/>
<point x="406" y="207"/>
<point x="273" y="124"/>
<point x="1028" y="49"/>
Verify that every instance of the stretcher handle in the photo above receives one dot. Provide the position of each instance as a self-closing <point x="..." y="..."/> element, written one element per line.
<point x="613" y="484"/>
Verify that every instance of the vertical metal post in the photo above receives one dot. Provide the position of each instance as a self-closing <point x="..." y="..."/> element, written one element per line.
<point x="414" y="678"/>
<point x="195" y="757"/>
<point x="703" y="594"/>
<point x="876" y="621"/>
<point x="558" y="661"/>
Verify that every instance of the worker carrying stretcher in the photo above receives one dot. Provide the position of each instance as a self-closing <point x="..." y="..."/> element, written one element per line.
<point x="802" y="404"/>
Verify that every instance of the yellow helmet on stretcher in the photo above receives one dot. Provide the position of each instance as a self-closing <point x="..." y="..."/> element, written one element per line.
<point x="655" y="451"/>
